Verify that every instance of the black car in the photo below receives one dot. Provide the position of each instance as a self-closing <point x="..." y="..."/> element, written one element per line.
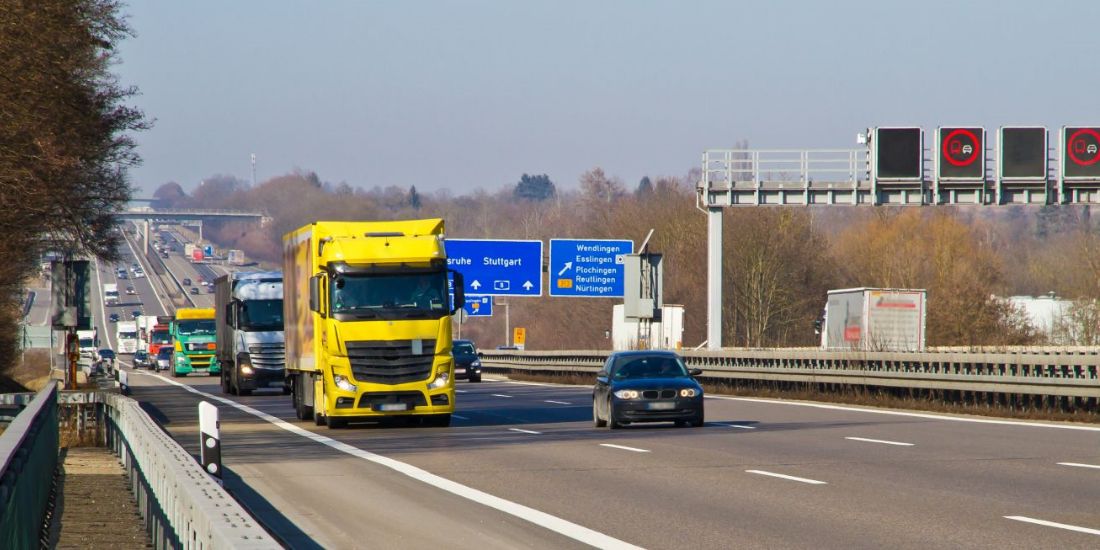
<point x="646" y="386"/>
<point x="113" y="318"/>
<point x="467" y="363"/>
<point x="135" y="313"/>
<point x="194" y="290"/>
<point x="141" y="359"/>
<point x="186" y="281"/>
<point x="163" y="360"/>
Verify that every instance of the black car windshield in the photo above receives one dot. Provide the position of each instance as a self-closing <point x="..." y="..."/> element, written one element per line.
<point x="391" y="296"/>
<point x="651" y="366"/>
<point x="262" y="315"/>
<point x="464" y="348"/>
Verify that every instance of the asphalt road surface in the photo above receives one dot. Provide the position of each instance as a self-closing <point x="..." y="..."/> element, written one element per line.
<point x="760" y="474"/>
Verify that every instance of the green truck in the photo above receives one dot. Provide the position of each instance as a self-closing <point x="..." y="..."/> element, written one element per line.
<point x="194" y="339"/>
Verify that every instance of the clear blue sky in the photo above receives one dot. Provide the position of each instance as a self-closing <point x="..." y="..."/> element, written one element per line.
<point x="467" y="95"/>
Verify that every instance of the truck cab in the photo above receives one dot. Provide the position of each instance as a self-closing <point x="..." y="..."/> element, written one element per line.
<point x="248" y="310"/>
<point x="192" y="332"/>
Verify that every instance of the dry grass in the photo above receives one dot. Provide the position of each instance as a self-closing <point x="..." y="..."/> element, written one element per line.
<point x="34" y="371"/>
<point x="851" y="395"/>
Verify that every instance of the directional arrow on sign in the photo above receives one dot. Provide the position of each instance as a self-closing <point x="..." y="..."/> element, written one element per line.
<point x="566" y="268"/>
<point x="475" y="285"/>
<point x="527" y="285"/>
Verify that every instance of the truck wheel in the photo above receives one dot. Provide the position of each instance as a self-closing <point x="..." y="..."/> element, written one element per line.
<point x="226" y="388"/>
<point x="175" y="373"/>
<point x="301" y="410"/>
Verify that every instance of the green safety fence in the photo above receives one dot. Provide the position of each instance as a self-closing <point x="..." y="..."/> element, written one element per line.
<point x="28" y="460"/>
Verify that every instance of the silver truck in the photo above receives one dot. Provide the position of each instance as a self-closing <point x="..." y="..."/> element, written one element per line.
<point x="248" y="313"/>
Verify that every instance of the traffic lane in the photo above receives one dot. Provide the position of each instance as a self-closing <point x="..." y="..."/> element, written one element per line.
<point x="512" y="460"/>
<point x="182" y="268"/>
<point x="806" y="451"/>
<point x="327" y="496"/>
<point x="146" y="292"/>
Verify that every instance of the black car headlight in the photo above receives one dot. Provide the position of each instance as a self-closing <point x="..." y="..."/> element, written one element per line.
<point x="690" y="392"/>
<point x="627" y="394"/>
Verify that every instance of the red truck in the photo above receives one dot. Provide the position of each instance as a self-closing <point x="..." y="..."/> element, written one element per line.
<point x="160" y="336"/>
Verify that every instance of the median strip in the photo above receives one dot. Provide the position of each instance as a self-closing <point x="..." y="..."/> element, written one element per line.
<point x="1045" y="523"/>
<point x="787" y="477"/>
<point x="632" y="449"/>
<point x="883" y="441"/>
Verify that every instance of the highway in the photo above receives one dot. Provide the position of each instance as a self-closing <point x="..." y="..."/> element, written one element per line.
<point x="522" y="466"/>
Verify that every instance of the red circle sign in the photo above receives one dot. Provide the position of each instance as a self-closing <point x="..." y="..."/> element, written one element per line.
<point x="950" y="156"/>
<point x="1070" y="143"/>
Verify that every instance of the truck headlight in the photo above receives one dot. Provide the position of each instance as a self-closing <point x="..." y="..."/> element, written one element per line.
<point x="440" y="380"/>
<point x="344" y="383"/>
<point x="245" y="369"/>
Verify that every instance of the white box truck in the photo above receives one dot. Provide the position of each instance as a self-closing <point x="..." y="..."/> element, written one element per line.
<point x="127" y="337"/>
<point x="875" y="319"/>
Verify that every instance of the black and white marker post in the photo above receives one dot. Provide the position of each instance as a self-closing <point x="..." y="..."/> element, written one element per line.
<point x="209" y="440"/>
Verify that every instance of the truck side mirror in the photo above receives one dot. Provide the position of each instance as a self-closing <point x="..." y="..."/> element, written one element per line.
<point x="460" y="292"/>
<point x="315" y="294"/>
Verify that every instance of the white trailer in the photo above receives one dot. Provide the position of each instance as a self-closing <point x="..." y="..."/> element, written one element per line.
<point x="875" y="319"/>
<point x="127" y="337"/>
<point x="668" y="333"/>
<point x="110" y="293"/>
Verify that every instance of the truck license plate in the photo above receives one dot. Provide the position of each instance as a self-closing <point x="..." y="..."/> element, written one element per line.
<point x="393" y="406"/>
<point x="660" y="406"/>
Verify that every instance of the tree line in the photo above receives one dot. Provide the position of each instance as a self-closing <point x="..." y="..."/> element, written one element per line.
<point x="65" y="142"/>
<point x="778" y="262"/>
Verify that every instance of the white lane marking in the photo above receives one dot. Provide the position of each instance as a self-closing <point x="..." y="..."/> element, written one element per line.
<point x="625" y="448"/>
<point x="143" y="264"/>
<point x="1079" y="465"/>
<point x="883" y="441"/>
<point x="460" y="391"/>
<point x="522" y="431"/>
<point x="783" y="476"/>
<point x="500" y="395"/>
<point x="733" y="425"/>
<point x="459" y="417"/>
<point x="1065" y="526"/>
<point x="558" y="525"/>
<point x="558" y="402"/>
<point x="910" y="414"/>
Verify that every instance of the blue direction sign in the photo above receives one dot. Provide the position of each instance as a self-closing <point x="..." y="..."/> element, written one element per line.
<point x="479" y="306"/>
<point x="497" y="268"/>
<point x="590" y="268"/>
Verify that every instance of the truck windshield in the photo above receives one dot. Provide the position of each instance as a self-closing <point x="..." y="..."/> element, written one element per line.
<point x="261" y="315"/>
<point x="391" y="296"/>
<point x="162" y="337"/>
<point x="127" y="335"/>
<point x="196" y="326"/>
<point x="87" y="343"/>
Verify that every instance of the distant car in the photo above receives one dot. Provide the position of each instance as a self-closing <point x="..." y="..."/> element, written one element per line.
<point x="139" y="274"/>
<point x="113" y="318"/>
<point x="164" y="255"/>
<point x="121" y="274"/>
<point x="186" y="281"/>
<point x="130" y="290"/>
<point x="135" y="313"/>
<point x="194" y="290"/>
<point x="107" y="358"/>
<point x="210" y="289"/>
<point x="141" y="359"/>
<point x="164" y="358"/>
<point x="646" y="386"/>
<point x="467" y="363"/>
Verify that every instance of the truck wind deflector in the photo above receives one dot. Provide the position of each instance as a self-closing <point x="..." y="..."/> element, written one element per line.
<point x="384" y="234"/>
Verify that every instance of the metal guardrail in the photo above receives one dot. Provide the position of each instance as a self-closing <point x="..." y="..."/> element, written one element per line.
<point x="28" y="458"/>
<point x="181" y="505"/>
<point x="1070" y="374"/>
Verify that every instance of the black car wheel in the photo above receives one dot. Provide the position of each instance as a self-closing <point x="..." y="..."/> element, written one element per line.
<point x="612" y="422"/>
<point x="596" y="420"/>
<point x="698" y="421"/>
<point x="475" y="378"/>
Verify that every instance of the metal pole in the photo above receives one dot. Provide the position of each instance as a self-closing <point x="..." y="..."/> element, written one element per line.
<point x="714" y="278"/>
<point x="507" y="326"/>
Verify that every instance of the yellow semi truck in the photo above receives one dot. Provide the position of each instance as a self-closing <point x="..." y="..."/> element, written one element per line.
<point x="368" y="321"/>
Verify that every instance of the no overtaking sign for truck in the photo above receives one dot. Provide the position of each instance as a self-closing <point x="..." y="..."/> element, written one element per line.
<point x="588" y="268"/>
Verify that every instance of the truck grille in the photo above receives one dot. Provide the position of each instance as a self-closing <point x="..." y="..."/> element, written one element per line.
<point x="200" y="361"/>
<point x="390" y="361"/>
<point x="267" y="356"/>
